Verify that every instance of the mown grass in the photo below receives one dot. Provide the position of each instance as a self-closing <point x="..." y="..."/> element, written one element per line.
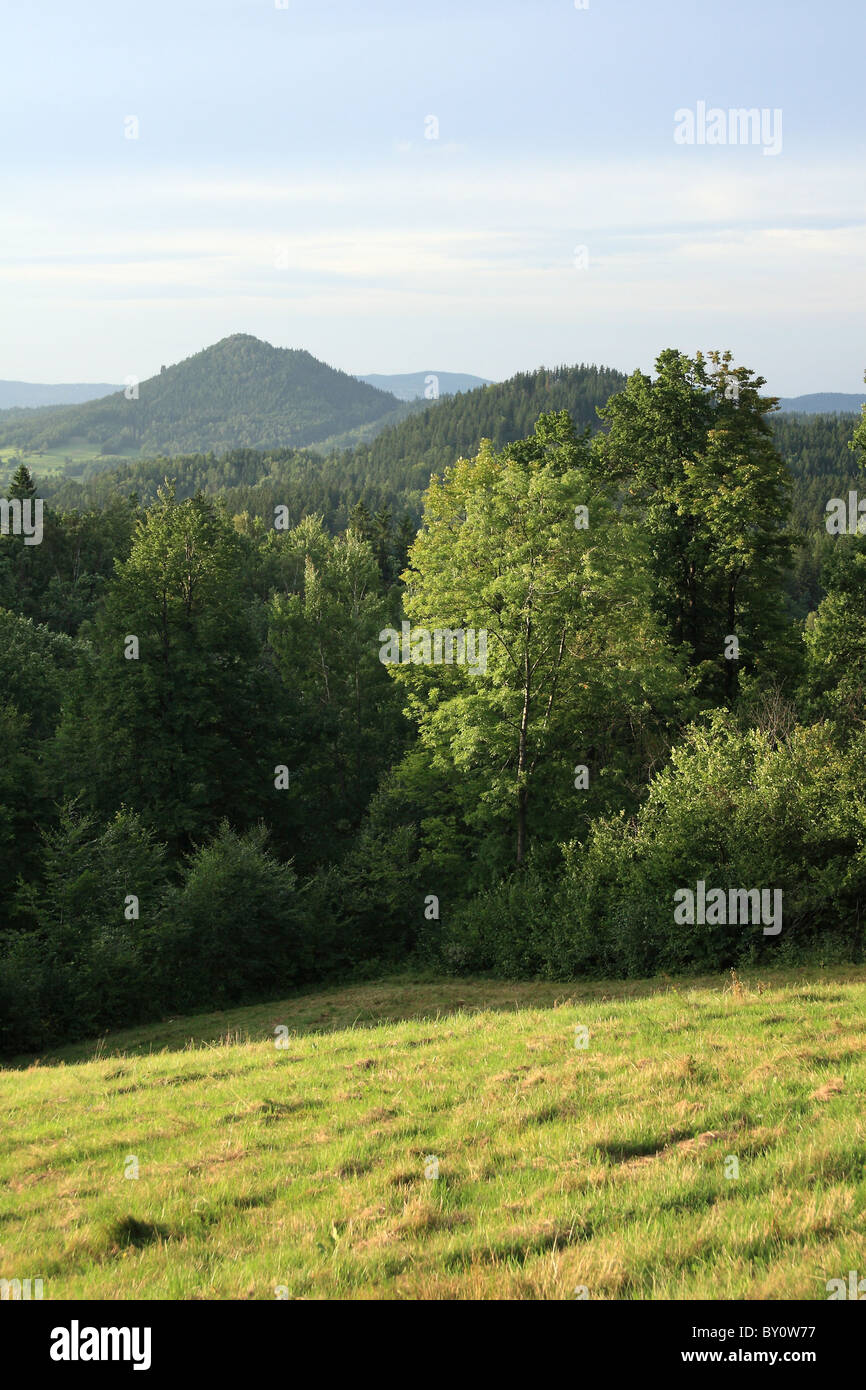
<point x="302" y="1170"/>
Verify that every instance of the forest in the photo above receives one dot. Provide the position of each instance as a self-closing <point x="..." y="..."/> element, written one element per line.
<point x="214" y="790"/>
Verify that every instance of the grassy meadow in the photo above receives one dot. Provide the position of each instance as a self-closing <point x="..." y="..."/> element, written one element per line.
<point x="69" y="460"/>
<point x="708" y="1141"/>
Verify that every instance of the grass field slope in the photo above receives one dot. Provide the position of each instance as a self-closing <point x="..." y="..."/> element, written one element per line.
<point x="453" y="1139"/>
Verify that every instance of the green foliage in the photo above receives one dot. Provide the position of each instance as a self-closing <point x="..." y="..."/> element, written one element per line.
<point x="259" y="649"/>
<point x="394" y="468"/>
<point x="35" y="664"/>
<point x="697" y="460"/>
<point x="345" y="715"/>
<point x="234" y="927"/>
<point x="391" y="470"/>
<point x="735" y="809"/>
<point x="185" y="730"/>
<point x="817" y="450"/>
<point x="35" y="667"/>
<point x="378" y="890"/>
<point x="576" y="672"/>
<point x="509" y="929"/>
<point x="61" y="582"/>
<point x="81" y="963"/>
<point x="432" y="440"/>
<point x="22" y="484"/>
<point x="835" y="677"/>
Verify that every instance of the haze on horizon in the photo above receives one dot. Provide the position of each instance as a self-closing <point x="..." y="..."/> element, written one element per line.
<point x="283" y="182"/>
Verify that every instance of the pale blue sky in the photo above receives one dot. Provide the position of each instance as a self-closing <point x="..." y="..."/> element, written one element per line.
<point x="282" y="184"/>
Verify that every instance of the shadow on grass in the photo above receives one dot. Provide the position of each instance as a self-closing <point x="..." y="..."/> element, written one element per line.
<point x="413" y="998"/>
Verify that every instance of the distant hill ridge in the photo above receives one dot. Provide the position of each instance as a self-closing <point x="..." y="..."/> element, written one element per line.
<point x="413" y="386"/>
<point x="17" y="395"/>
<point x="244" y="393"/>
<point x="824" y="403"/>
<point x="406" y="386"/>
<point x="241" y="392"/>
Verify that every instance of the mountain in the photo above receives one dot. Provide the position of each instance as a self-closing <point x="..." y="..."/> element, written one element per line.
<point x="413" y="386"/>
<point x="431" y="439"/>
<point x="391" y="470"/>
<point x="824" y="403"/>
<point x="241" y="392"/>
<point x="27" y="394"/>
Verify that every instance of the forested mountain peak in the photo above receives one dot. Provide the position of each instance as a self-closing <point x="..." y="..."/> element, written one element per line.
<point x="239" y="392"/>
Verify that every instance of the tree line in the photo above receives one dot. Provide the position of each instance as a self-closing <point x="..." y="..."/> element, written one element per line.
<point x="213" y="787"/>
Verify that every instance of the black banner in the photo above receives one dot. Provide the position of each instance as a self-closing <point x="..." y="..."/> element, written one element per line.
<point x="222" y="1339"/>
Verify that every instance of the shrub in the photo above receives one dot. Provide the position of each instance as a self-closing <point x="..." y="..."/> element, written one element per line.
<point x="735" y="809"/>
<point x="234" y="927"/>
<point x="79" y="965"/>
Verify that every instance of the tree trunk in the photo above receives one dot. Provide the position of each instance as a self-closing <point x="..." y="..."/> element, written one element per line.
<point x="731" y="673"/>
<point x="522" y="799"/>
<point x="522" y="789"/>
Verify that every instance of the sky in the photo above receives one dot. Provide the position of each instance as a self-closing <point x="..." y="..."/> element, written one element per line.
<point x="482" y="186"/>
